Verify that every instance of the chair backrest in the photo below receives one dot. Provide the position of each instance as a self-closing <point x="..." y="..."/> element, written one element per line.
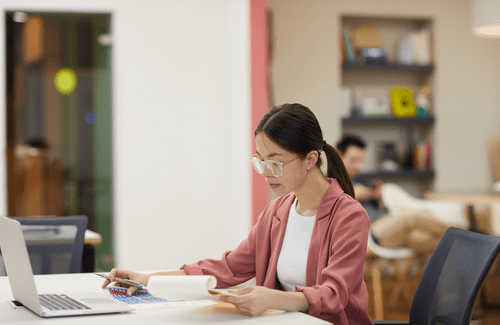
<point x="55" y="244"/>
<point x="452" y="278"/>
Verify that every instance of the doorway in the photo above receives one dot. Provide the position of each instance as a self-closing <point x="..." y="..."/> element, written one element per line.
<point x="59" y="119"/>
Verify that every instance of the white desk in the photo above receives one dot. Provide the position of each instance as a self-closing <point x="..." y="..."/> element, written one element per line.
<point x="471" y="199"/>
<point x="92" y="238"/>
<point x="86" y="282"/>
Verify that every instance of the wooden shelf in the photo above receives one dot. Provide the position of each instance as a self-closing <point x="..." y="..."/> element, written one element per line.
<point x="374" y="79"/>
<point x="389" y="120"/>
<point x="402" y="174"/>
<point x="346" y="66"/>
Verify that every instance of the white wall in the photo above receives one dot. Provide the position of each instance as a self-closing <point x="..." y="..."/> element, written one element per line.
<point x="181" y="126"/>
<point x="306" y="69"/>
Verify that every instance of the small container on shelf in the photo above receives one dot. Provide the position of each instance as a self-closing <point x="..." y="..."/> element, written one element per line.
<point x="372" y="55"/>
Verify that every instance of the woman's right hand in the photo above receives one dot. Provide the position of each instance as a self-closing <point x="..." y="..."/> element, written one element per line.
<point x="125" y="274"/>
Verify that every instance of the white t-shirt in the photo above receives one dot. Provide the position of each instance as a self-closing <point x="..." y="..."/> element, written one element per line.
<point x="292" y="262"/>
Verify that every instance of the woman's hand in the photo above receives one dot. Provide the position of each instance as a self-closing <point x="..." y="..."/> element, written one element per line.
<point x="252" y="301"/>
<point x="124" y="274"/>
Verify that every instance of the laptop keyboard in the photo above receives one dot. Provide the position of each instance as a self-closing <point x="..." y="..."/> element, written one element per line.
<point x="60" y="302"/>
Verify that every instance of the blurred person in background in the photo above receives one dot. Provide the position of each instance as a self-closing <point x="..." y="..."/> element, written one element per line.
<point x="418" y="229"/>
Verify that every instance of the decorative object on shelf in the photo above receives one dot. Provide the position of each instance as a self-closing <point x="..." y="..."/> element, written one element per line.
<point x="423" y="100"/>
<point x="356" y="109"/>
<point x="376" y="106"/>
<point x="402" y="102"/>
<point x="366" y="36"/>
<point x="368" y="44"/>
<point x="356" y="112"/>
<point x="372" y="55"/>
<point x="388" y="158"/>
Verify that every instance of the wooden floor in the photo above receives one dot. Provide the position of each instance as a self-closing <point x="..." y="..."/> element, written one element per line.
<point x="401" y="311"/>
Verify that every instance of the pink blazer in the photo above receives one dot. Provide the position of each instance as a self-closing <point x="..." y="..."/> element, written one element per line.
<point x="334" y="286"/>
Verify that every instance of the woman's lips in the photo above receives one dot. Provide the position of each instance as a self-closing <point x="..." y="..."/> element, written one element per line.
<point x="273" y="186"/>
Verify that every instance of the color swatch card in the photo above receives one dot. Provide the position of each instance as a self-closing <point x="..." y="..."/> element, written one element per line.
<point x="144" y="299"/>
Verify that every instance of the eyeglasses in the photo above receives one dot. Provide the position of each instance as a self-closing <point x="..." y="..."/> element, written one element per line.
<point x="275" y="167"/>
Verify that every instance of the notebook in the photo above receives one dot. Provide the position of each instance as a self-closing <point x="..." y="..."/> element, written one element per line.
<point x="22" y="282"/>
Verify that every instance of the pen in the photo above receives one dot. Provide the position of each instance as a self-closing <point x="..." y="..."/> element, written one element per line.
<point x="123" y="281"/>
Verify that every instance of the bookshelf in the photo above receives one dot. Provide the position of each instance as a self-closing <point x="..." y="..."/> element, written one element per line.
<point x="410" y="121"/>
<point x="388" y="66"/>
<point x="367" y="78"/>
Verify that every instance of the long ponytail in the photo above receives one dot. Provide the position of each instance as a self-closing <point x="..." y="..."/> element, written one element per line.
<point x="337" y="170"/>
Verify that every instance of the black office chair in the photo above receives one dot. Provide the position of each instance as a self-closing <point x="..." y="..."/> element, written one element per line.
<point x="55" y="244"/>
<point x="452" y="278"/>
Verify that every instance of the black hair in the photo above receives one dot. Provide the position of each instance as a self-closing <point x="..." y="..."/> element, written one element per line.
<point x="295" y="128"/>
<point x="350" y="141"/>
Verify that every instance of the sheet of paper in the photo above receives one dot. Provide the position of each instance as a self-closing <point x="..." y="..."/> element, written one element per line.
<point x="178" y="287"/>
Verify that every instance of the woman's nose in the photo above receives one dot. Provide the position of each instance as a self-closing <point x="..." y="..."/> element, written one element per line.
<point x="267" y="172"/>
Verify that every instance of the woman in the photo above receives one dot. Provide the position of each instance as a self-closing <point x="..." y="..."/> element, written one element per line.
<point x="308" y="247"/>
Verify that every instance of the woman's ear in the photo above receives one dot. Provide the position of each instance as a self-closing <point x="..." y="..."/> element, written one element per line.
<point x="311" y="159"/>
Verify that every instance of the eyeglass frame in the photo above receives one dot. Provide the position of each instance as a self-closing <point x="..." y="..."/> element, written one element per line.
<point x="280" y="164"/>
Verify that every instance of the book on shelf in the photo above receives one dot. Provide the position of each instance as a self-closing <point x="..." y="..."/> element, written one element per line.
<point x="422" y="156"/>
<point x="350" y="52"/>
<point x="416" y="48"/>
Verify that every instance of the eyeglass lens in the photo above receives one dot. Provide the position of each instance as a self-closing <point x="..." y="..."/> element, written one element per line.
<point x="272" y="166"/>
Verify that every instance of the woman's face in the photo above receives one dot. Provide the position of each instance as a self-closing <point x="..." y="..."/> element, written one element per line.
<point x="294" y="172"/>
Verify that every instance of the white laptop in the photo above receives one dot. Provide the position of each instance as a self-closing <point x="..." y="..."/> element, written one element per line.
<point x="22" y="282"/>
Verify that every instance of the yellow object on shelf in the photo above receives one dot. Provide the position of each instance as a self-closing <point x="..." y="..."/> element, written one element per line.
<point x="402" y="102"/>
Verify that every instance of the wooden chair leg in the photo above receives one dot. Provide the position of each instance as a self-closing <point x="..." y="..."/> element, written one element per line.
<point x="421" y="258"/>
<point x="378" y="301"/>
<point x="401" y="285"/>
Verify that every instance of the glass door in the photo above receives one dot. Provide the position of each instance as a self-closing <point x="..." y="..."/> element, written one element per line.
<point x="59" y="119"/>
